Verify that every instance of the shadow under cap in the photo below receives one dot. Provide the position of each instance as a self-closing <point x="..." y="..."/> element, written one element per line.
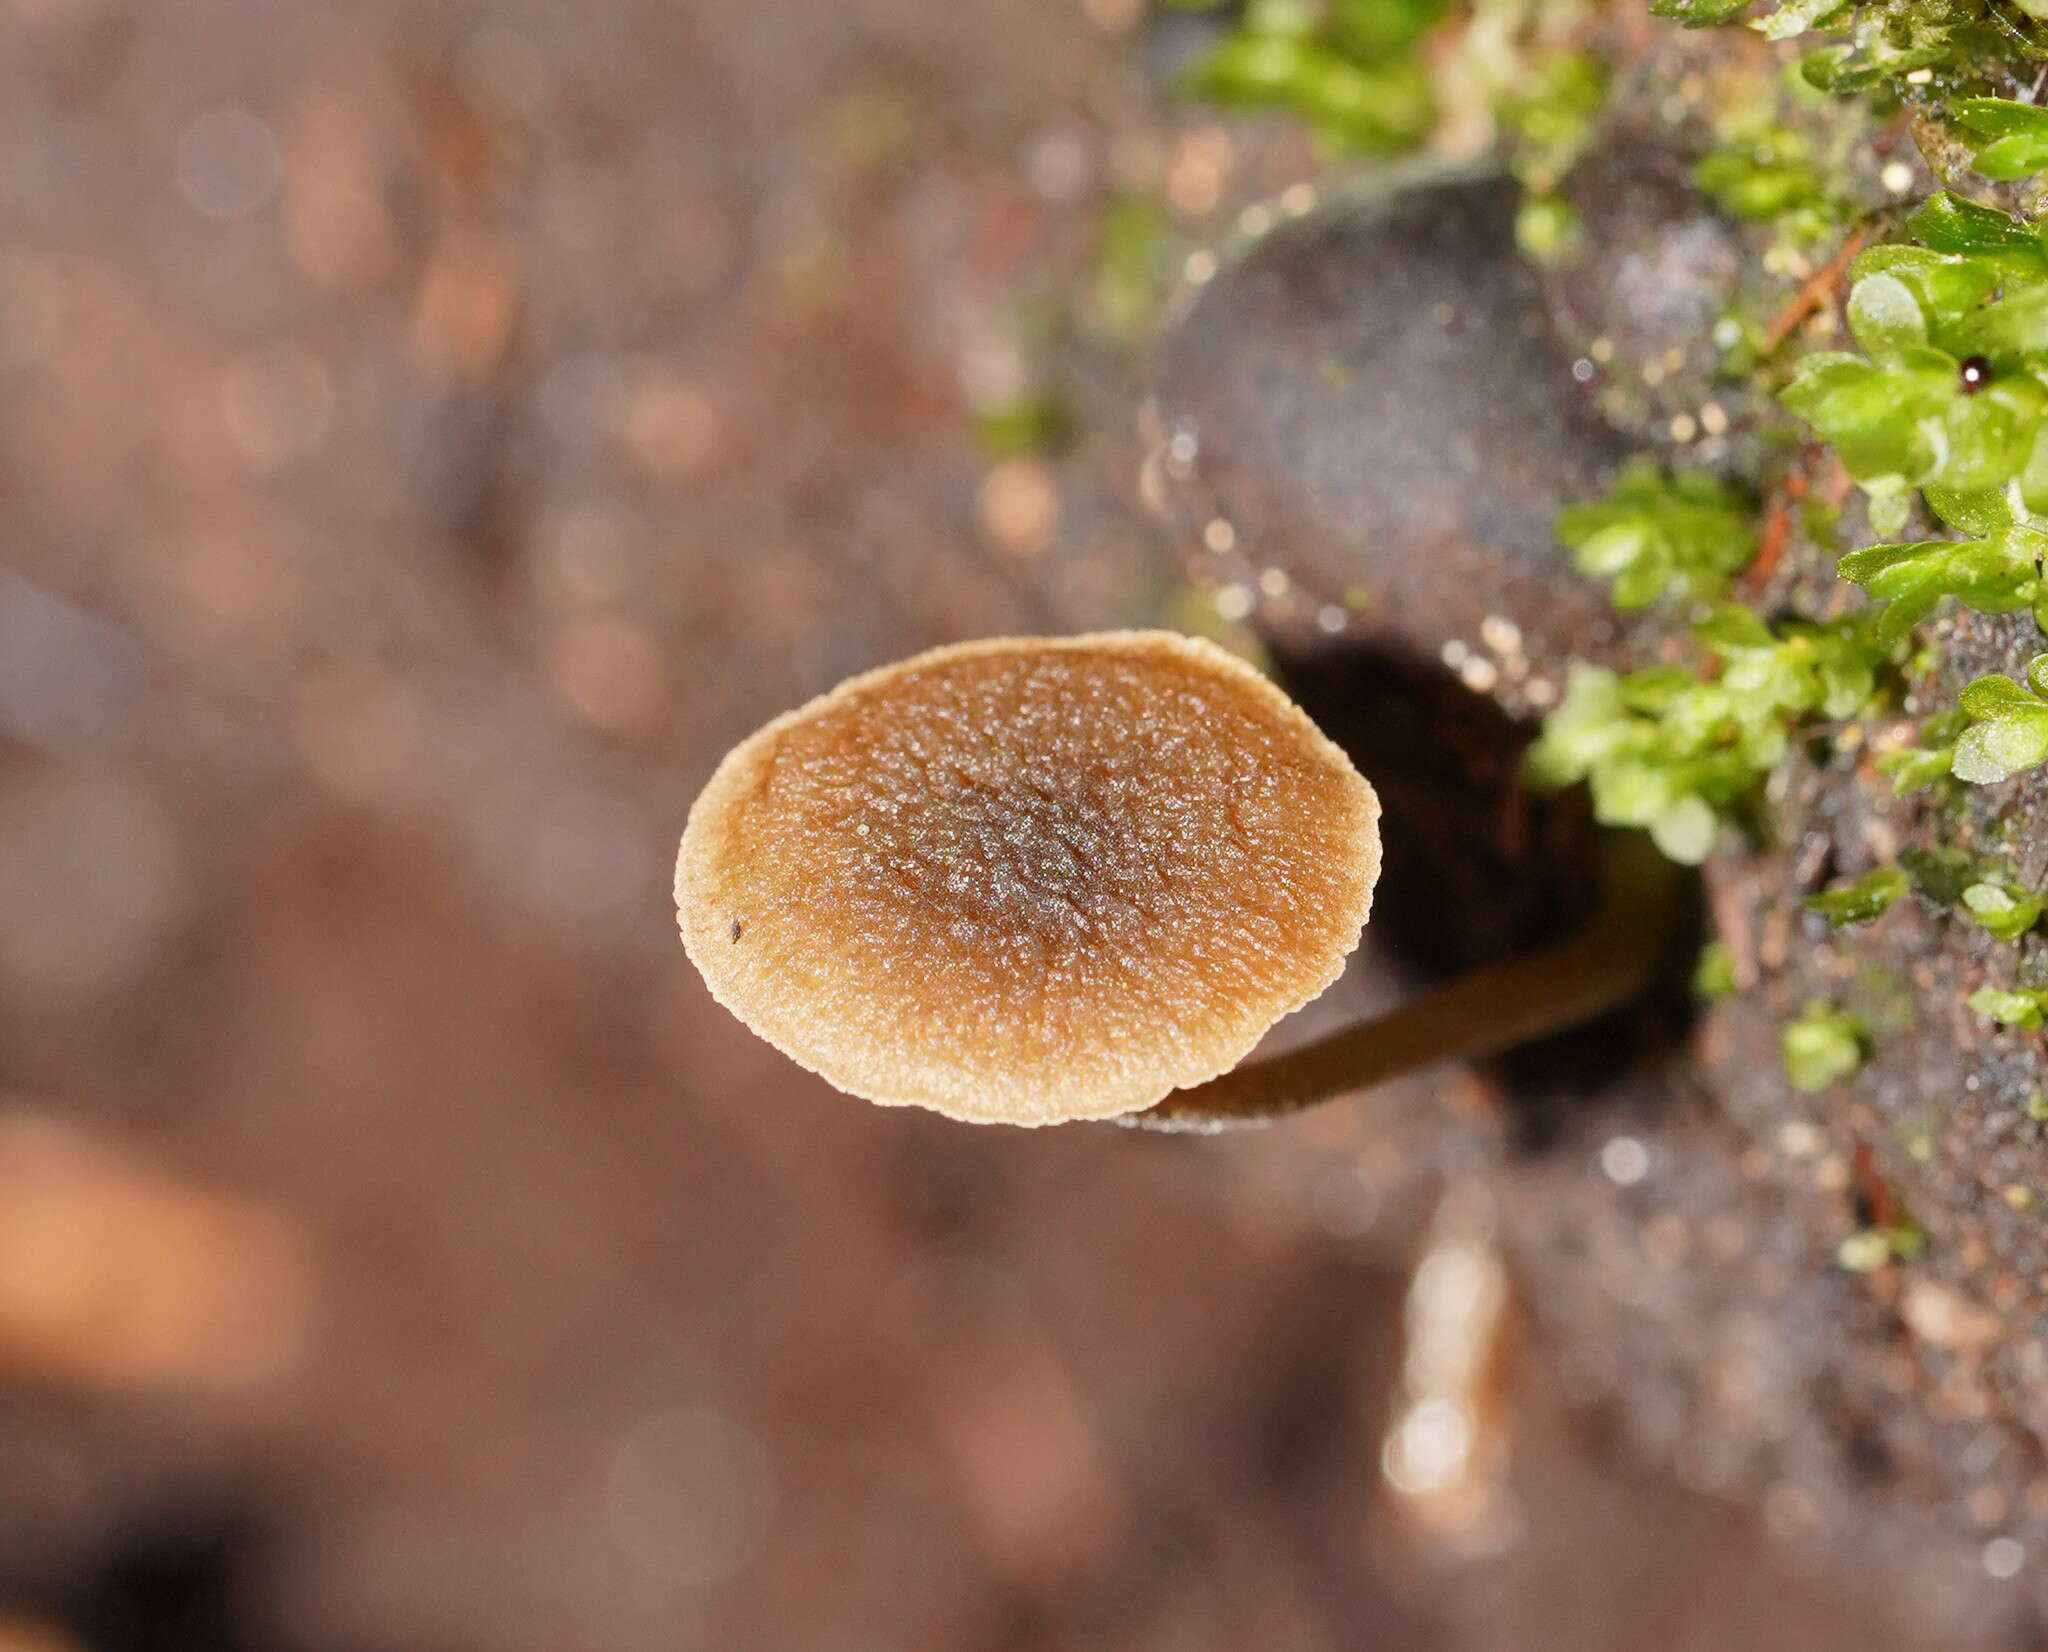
<point x="1029" y="880"/>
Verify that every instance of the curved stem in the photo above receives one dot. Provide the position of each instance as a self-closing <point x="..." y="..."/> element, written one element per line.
<point x="1493" y="1009"/>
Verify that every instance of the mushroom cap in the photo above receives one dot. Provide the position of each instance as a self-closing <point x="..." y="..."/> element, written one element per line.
<point x="1029" y="879"/>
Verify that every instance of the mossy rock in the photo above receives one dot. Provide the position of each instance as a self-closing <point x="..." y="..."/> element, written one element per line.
<point x="1378" y="401"/>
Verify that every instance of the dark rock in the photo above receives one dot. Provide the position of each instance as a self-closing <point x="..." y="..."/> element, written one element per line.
<point x="1369" y="413"/>
<point x="1655" y="265"/>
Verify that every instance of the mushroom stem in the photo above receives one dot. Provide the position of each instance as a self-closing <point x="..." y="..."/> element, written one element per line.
<point x="1493" y="1009"/>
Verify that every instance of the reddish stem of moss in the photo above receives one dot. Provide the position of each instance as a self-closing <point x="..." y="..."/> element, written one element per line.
<point x="1815" y="291"/>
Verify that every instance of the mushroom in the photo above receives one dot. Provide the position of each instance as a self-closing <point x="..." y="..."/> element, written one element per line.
<point x="1031" y="880"/>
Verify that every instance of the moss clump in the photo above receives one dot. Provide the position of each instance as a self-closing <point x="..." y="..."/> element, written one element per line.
<point x="1985" y="893"/>
<point x="1713" y="977"/>
<point x="2005" y="908"/>
<point x="1950" y="389"/>
<point x="1904" y="47"/>
<point x="1654" y="536"/>
<point x="1823" y="1046"/>
<point x="2021" y="1007"/>
<point x="2008" y="729"/>
<point x="1352" y="71"/>
<point x="1671" y="749"/>
<point x="1861" y="901"/>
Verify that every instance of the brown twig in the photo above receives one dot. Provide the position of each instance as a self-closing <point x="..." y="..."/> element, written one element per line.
<point x="1770" y="548"/>
<point x="1776" y="534"/>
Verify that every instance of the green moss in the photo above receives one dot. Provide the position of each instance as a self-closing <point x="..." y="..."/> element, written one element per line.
<point x="2008" y="729"/>
<point x="1352" y="71"/>
<point x="1029" y="424"/>
<point x="2003" y="907"/>
<point x="1547" y="229"/>
<point x="1915" y="768"/>
<point x="1944" y="401"/>
<point x="1862" y="901"/>
<point x="1769" y="175"/>
<point x="2007" y="141"/>
<point x="1676" y="750"/>
<point x="1133" y="255"/>
<point x="1941" y="874"/>
<point x="1995" y="574"/>
<point x="1713" y="977"/>
<point x="1822" y="1046"/>
<point x="2021" y="1007"/>
<point x="1551" y="113"/>
<point x="1683" y="536"/>
<point x="1906" y="1238"/>
<point x="1899" y="46"/>
<point x="1869" y="1249"/>
<point x="1950" y="390"/>
<point x="1978" y="889"/>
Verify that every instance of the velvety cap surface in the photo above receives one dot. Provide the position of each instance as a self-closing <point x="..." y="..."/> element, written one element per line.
<point x="1029" y="880"/>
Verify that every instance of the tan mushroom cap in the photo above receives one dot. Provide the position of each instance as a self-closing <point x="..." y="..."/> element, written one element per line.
<point x="1030" y="879"/>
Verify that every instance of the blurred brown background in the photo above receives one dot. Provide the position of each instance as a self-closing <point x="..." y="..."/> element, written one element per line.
<point x="430" y="434"/>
